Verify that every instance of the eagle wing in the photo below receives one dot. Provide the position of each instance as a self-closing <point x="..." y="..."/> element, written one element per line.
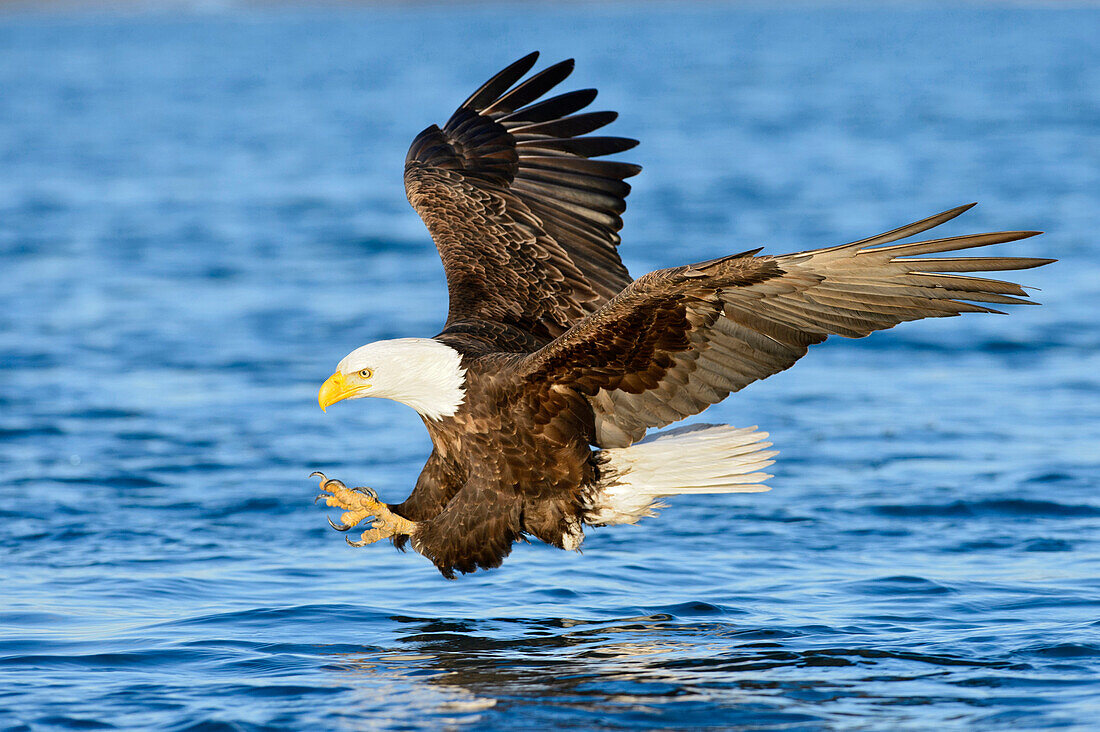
<point x="678" y="340"/>
<point x="524" y="219"/>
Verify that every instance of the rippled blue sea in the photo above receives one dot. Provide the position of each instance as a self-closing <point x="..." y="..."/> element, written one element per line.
<point x="201" y="212"/>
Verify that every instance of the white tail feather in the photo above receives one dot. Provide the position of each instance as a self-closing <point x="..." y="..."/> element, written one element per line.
<point x="705" y="458"/>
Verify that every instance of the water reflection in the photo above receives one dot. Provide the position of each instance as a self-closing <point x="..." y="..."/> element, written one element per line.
<point x="581" y="670"/>
<point x="653" y="669"/>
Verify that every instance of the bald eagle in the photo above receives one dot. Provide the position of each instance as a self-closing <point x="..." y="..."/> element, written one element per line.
<point x="553" y="362"/>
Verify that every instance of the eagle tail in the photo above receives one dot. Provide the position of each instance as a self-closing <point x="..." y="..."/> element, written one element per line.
<point x="704" y="458"/>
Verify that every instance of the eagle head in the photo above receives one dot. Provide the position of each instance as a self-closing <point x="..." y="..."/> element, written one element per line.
<point x="419" y="372"/>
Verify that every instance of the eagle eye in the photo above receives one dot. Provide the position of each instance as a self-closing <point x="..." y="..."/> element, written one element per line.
<point x="366" y="373"/>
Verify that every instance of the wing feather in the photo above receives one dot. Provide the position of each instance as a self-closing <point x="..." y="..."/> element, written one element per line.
<point x="531" y="89"/>
<point x="523" y="213"/>
<point x="578" y="124"/>
<point x="500" y="82"/>
<point x="549" y="109"/>
<point x="677" y="340"/>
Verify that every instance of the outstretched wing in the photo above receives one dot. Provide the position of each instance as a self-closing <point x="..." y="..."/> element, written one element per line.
<point x="678" y="340"/>
<point x="525" y="221"/>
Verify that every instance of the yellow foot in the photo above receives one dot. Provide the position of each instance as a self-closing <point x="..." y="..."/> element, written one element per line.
<point x="361" y="503"/>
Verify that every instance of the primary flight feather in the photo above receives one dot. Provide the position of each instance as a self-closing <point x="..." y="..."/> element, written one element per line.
<point x="553" y="363"/>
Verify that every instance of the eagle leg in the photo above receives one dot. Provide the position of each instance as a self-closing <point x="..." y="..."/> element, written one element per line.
<point x="361" y="503"/>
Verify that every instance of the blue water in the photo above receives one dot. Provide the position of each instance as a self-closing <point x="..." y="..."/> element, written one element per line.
<point x="200" y="213"/>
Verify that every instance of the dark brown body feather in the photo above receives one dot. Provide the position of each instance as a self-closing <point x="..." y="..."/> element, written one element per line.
<point x="506" y="464"/>
<point x="563" y="351"/>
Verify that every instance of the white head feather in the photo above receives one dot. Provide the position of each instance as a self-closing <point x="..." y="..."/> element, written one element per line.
<point x="419" y="372"/>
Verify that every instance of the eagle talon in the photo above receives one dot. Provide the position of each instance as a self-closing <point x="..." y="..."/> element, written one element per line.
<point x="361" y="503"/>
<point x="379" y="530"/>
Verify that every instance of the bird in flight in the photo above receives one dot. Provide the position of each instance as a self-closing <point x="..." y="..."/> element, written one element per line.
<point x="554" y="362"/>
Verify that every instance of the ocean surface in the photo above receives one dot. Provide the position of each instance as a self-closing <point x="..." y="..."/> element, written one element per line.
<point x="201" y="212"/>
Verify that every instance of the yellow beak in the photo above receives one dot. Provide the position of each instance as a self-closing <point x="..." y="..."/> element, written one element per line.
<point x="335" y="389"/>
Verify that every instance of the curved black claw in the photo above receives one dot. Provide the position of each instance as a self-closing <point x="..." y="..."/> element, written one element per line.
<point x="356" y="544"/>
<point x="317" y="474"/>
<point x="338" y="527"/>
<point x="369" y="492"/>
<point x="320" y="496"/>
